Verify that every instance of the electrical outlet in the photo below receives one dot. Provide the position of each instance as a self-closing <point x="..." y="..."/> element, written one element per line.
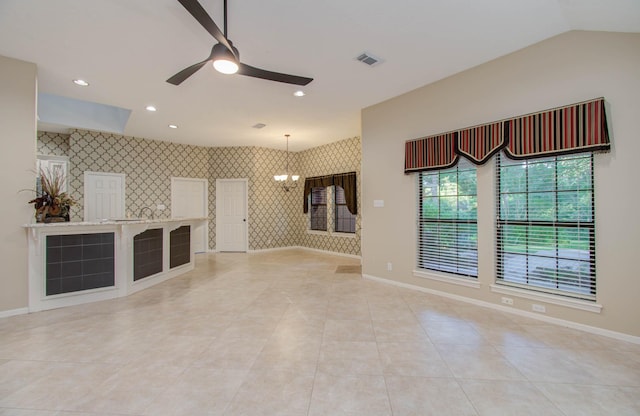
<point x="507" y="301"/>
<point x="538" y="308"/>
<point x="389" y="266"/>
<point x="161" y="207"/>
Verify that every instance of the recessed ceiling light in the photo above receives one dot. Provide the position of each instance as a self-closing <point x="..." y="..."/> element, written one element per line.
<point x="150" y="108"/>
<point x="173" y="126"/>
<point x="299" y="93"/>
<point x="81" y="82"/>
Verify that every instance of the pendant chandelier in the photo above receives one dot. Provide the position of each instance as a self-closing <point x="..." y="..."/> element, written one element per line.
<point x="288" y="181"/>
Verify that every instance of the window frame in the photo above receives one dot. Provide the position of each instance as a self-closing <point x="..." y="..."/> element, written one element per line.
<point x="556" y="224"/>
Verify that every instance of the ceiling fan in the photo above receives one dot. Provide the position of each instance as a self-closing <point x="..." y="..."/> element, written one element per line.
<point x="224" y="55"/>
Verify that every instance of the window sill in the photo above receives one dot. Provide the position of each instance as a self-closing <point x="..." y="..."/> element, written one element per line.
<point x="343" y="235"/>
<point x="447" y="278"/>
<point x="317" y="232"/>
<point x="332" y="234"/>
<point x="583" y="305"/>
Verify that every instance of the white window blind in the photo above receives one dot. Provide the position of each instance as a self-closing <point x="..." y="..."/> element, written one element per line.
<point x="545" y="225"/>
<point x="447" y="220"/>
<point x="345" y="221"/>
<point x="319" y="209"/>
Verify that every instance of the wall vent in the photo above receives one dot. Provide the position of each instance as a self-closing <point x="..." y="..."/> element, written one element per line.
<point x="368" y="59"/>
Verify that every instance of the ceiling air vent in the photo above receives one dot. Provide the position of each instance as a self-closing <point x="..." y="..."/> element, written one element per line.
<point x="368" y="59"/>
<point x="258" y="126"/>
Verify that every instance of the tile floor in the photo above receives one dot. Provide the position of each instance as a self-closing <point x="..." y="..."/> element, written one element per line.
<point x="281" y="333"/>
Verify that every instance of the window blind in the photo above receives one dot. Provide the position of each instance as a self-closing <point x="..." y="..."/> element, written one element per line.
<point x="545" y="225"/>
<point x="448" y="230"/>
<point x="319" y="209"/>
<point x="345" y="221"/>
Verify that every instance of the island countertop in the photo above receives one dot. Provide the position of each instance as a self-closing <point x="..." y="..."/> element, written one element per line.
<point x="124" y="221"/>
<point x="79" y="262"/>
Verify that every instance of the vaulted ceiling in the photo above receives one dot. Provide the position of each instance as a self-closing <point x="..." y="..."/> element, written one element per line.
<point x="126" y="49"/>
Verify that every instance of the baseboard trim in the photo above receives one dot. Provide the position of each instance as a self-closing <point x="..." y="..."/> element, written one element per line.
<point x="333" y="253"/>
<point x="272" y="249"/>
<point x="557" y="321"/>
<point x="13" y="312"/>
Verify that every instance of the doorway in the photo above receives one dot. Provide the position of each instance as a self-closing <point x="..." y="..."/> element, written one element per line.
<point x="231" y="215"/>
<point x="103" y="195"/>
<point x="189" y="199"/>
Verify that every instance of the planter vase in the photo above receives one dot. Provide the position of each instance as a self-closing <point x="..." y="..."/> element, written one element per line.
<point x="43" y="215"/>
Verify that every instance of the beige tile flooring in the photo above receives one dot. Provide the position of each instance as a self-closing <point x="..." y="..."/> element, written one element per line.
<point x="281" y="333"/>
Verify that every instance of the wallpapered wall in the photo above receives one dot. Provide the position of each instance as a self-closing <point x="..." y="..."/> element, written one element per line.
<point x="53" y="144"/>
<point x="275" y="217"/>
<point x="339" y="157"/>
<point x="270" y="215"/>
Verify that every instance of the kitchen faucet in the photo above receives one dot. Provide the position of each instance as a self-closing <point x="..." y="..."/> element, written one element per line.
<point x="142" y="210"/>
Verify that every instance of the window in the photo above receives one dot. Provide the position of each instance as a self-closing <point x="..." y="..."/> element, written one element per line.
<point x="448" y="233"/>
<point x="545" y="225"/>
<point x="49" y="165"/>
<point x="345" y="221"/>
<point x="319" y="209"/>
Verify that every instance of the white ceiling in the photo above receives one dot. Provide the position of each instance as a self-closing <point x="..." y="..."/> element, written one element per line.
<point x="127" y="49"/>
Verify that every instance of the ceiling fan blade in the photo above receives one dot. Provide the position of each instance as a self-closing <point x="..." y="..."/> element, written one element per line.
<point x="178" y="78"/>
<point x="205" y="20"/>
<point x="251" y="71"/>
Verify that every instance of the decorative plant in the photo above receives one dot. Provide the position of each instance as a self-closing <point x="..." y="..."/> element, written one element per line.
<point x="50" y="200"/>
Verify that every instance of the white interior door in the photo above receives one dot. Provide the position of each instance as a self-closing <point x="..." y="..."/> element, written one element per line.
<point x="103" y="195"/>
<point x="231" y="215"/>
<point x="189" y="199"/>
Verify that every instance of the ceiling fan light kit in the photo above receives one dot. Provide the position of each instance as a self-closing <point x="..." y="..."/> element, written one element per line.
<point x="223" y="60"/>
<point x="224" y="55"/>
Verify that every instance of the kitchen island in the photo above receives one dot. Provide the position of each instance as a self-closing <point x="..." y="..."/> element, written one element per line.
<point x="71" y="263"/>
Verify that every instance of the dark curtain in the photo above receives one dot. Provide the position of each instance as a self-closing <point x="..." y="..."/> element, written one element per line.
<point x="345" y="180"/>
<point x="316" y="182"/>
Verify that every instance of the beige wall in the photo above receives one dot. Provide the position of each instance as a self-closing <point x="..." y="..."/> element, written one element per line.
<point x="18" y="90"/>
<point x="563" y="70"/>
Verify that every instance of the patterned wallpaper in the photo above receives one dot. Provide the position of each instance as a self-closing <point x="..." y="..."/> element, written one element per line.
<point x="147" y="164"/>
<point x="53" y="144"/>
<point x="337" y="157"/>
<point x="270" y="217"/>
<point x="275" y="217"/>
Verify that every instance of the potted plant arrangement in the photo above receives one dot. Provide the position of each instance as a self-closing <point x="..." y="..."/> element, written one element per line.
<point x="52" y="204"/>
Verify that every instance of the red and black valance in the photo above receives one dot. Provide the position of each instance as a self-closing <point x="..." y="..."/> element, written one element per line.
<point x="576" y="128"/>
<point x="478" y="144"/>
<point x="434" y="152"/>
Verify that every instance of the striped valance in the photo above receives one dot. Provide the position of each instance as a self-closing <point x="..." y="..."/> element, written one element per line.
<point x="435" y="152"/>
<point x="478" y="144"/>
<point x="576" y="128"/>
